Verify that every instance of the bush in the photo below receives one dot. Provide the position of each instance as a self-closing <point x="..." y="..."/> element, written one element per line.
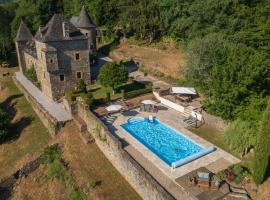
<point x="82" y="86"/>
<point x="89" y="99"/>
<point x="51" y="154"/>
<point x="240" y="134"/>
<point x="261" y="160"/>
<point x="31" y="74"/>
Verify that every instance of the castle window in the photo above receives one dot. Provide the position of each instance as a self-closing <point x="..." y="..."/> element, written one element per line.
<point x="79" y="75"/>
<point x="91" y="46"/>
<point x="77" y="56"/>
<point x="51" y="61"/>
<point x="62" y="77"/>
<point x="86" y="34"/>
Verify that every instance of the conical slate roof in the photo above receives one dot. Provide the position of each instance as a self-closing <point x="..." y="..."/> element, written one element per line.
<point x="23" y="33"/>
<point x="85" y="20"/>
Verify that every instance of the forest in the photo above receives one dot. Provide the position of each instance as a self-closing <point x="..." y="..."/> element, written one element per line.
<point x="227" y="44"/>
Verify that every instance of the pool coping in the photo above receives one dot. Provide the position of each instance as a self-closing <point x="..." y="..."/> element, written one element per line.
<point x="158" y="162"/>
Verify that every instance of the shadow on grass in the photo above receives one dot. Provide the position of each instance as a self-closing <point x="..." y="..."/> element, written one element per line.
<point x="16" y="128"/>
<point x="130" y="87"/>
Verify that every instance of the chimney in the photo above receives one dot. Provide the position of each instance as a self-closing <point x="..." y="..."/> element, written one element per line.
<point x="65" y="28"/>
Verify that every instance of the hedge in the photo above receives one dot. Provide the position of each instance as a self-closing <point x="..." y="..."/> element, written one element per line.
<point x="139" y="92"/>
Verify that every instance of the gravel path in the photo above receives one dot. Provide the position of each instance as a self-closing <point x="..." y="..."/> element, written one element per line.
<point x="55" y="109"/>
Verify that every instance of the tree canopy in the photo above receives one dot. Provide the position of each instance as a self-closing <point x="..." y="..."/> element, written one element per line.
<point x="113" y="74"/>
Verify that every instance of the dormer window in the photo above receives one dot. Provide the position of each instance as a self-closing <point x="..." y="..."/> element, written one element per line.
<point x="77" y="56"/>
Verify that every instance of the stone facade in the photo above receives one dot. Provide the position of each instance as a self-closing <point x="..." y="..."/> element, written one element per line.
<point x="60" y="53"/>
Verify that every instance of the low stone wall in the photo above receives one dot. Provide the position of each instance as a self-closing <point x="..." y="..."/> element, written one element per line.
<point x="111" y="145"/>
<point x="7" y="184"/>
<point x="214" y="121"/>
<point x="49" y="121"/>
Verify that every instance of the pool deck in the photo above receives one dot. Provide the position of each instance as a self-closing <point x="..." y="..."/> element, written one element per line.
<point x="215" y="161"/>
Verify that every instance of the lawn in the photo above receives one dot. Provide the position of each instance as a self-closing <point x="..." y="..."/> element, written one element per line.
<point x="214" y="136"/>
<point x="29" y="136"/>
<point x="94" y="174"/>
<point x="100" y="91"/>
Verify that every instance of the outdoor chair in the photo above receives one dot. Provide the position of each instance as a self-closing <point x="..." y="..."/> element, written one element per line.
<point x="215" y="183"/>
<point x="191" y="181"/>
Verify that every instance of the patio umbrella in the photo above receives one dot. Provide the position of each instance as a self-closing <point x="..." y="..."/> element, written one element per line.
<point x="149" y="102"/>
<point x="113" y="108"/>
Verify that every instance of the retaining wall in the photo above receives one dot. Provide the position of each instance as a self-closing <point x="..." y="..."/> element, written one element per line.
<point x="49" y="121"/>
<point x="110" y="144"/>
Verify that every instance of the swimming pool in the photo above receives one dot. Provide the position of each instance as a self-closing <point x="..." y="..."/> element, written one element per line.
<point x="168" y="144"/>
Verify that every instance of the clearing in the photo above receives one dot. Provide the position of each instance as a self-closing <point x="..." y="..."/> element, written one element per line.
<point x="169" y="62"/>
<point x="25" y="142"/>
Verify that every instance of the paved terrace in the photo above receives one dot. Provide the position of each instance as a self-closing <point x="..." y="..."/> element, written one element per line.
<point x="214" y="161"/>
<point x="55" y="109"/>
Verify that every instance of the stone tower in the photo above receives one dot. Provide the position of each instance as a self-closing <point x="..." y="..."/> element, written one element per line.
<point x="88" y="28"/>
<point x="22" y="38"/>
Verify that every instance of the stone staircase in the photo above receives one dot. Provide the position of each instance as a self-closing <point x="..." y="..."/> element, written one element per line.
<point x="187" y="111"/>
<point x="85" y="135"/>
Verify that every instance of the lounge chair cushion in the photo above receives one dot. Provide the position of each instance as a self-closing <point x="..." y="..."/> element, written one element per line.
<point x="203" y="175"/>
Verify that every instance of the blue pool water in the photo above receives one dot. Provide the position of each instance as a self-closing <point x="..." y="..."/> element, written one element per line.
<point x="167" y="143"/>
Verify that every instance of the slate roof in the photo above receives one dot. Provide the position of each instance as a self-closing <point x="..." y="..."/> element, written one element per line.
<point x="23" y="33"/>
<point x="53" y="31"/>
<point x="85" y="20"/>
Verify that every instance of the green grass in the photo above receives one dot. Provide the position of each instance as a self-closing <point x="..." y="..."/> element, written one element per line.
<point x="214" y="136"/>
<point x="31" y="140"/>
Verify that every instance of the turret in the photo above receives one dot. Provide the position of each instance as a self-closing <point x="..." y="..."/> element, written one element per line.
<point x="23" y="36"/>
<point x="88" y="28"/>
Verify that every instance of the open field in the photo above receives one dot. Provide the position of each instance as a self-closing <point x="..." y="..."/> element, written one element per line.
<point x="170" y="63"/>
<point x="28" y="135"/>
<point x="89" y="165"/>
<point x="37" y="186"/>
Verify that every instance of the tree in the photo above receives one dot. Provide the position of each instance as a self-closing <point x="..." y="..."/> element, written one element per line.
<point x="113" y="74"/>
<point x="261" y="160"/>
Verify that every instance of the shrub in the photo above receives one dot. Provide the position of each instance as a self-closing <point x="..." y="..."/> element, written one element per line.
<point x="240" y="134"/>
<point x="139" y="92"/>
<point x="89" y="99"/>
<point x="31" y="74"/>
<point x="82" y="86"/>
<point x="92" y="183"/>
<point x="51" y="154"/>
<point x="261" y="159"/>
<point x="222" y="175"/>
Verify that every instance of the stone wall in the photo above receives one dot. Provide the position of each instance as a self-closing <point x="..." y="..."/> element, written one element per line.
<point x="214" y="121"/>
<point x="49" y="121"/>
<point x="111" y="146"/>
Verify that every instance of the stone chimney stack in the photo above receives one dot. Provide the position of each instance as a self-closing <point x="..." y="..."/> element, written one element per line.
<point x="65" y="28"/>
